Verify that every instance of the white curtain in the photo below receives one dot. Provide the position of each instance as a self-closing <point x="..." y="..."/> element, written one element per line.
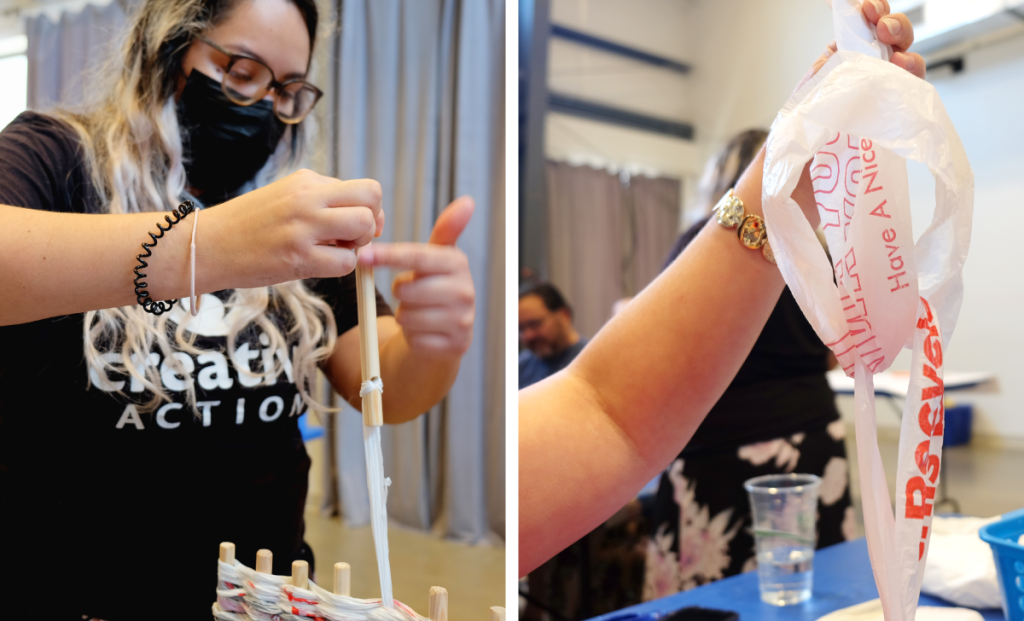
<point x="66" y="52"/>
<point x="415" y="100"/>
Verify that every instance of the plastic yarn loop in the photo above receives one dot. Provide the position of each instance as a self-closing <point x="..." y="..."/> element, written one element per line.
<point x="262" y="592"/>
<point x="194" y="303"/>
<point x="230" y="605"/>
<point x="341" y="608"/>
<point x="297" y="604"/>
<point x="375" y="384"/>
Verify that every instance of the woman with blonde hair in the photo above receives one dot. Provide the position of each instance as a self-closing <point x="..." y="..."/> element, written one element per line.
<point x="136" y="435"/>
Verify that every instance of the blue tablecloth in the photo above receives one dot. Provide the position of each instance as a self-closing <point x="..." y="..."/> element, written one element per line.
<point x="842" y="578"/>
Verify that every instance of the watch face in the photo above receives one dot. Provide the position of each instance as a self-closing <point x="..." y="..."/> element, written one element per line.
<point x="730" y="211"/>
<point x="752" y="232"/>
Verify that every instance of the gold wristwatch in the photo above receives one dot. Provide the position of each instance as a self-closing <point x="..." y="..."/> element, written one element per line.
<point x="750" y="228"/>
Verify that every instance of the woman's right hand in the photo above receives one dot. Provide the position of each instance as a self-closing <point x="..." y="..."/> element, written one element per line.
<point x="302" y="226"/>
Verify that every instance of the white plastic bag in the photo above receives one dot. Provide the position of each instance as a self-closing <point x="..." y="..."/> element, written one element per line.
<point x="960" y="567"/>
<point x="858" y="118"/>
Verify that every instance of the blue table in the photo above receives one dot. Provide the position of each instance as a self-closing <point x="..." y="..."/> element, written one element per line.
<point x="842" y="578"/>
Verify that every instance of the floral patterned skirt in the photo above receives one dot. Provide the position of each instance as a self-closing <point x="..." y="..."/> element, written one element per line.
<point x="701" y="528"/>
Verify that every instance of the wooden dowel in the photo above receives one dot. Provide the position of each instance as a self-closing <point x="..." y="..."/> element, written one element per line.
<point x="497" y="613"/>
<point x="227" y="553"/>
<point x="343" y="579"/>
<point x="265" y="562"/>
<point x="366" y="303"/>
<point x="300" y="574"/>
<point x="438" y="604"/>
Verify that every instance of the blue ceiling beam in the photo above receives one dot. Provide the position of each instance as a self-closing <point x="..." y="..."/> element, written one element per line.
<point x="611" y="47"/>
<point x="617" y="116"/>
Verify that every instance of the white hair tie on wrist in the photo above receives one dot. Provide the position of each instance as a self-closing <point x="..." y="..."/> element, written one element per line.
<point x="194" y="304"/>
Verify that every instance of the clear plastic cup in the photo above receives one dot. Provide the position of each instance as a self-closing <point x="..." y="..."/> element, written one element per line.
<point x="785" y="508"/>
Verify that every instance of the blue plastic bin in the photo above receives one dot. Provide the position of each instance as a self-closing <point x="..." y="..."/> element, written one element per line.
<point x="1009" y="556"/>
<point x="957" y="423"/>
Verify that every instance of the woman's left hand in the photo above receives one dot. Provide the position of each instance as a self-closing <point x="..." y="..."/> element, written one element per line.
<point x="436" y="297"/>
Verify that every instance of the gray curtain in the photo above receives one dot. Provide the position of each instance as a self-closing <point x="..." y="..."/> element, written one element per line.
<point x="416" y="101"/>
<point x="654" y="218"/>
<point x="66" y="56"/>
<point x="608" y="236"/>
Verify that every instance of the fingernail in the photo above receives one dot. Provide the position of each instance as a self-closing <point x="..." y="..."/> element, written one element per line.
<point x="879" y="7"/>
<point x="893" y="25"/>
<point x="909" y="64"/>
<point x="366" y="256"/>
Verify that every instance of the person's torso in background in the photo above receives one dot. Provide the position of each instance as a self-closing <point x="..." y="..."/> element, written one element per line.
<point x="781" y="387"/>
<point x="533" y="369"/>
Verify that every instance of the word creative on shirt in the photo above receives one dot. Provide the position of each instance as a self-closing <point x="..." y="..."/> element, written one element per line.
<point x="211" y="371"/>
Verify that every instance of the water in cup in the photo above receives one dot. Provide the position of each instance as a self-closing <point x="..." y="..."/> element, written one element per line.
<point x="784" y="511"/>
<point x="786" y="574"/>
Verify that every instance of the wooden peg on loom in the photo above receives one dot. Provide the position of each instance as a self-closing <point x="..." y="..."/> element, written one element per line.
<point x="497" y="613"/>
<point x="300" y="574"/>
<point x="366" y="300"/>
<point x="265" y="562"/>
<point x="438" y="604"/>
<point x="227" y="553"/>
<point x="342" y="579"/>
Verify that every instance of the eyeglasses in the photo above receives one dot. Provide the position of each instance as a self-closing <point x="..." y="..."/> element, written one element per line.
<point x="247" y="80"/>
<point x="532" y="325"/>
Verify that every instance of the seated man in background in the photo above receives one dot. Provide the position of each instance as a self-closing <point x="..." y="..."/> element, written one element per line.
<point x="546" y="332"/>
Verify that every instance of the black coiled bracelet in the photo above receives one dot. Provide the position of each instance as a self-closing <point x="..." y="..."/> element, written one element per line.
<point x="145" y="301"/>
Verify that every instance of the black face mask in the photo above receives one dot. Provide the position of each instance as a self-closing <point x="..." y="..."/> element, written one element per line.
<point x="225" y="144"/>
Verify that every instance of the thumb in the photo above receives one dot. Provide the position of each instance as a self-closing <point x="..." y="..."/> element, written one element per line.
<point x="452" y="221"/>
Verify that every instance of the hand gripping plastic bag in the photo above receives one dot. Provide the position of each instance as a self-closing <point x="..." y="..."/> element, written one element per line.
<point x="857" y="120"/>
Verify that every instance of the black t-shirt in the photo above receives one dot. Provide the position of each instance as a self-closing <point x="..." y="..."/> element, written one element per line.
<point x="119" y="512"/>
<point x="781" y="388"/>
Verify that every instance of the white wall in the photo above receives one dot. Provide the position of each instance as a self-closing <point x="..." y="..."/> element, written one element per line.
<point x="984" y="103"/>
<point x="746" y="57"/>
<point x="750" y="56"/>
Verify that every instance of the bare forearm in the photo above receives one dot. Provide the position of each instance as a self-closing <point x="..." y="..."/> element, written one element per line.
<point x="414" y="383"/>
<point x="593" y="435"/>
<point x="55" y="264"/>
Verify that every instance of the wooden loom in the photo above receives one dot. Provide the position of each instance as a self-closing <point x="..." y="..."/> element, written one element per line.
<point x="438" y="596"/>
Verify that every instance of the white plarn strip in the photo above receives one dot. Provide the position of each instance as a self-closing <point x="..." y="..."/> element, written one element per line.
<point x="371" y="385"/>
<point x="378" y="486"/>
<point x="341" y="608"/>
<point x="297" y="604"/>
<point x="230" y="594"/>
<point x="262" y="593"/>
